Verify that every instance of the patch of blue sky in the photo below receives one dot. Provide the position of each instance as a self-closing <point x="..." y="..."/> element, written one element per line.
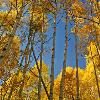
<point x="60" y="40"/>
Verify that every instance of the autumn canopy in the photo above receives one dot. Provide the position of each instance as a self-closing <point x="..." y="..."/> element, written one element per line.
<point x="28" y="48"/>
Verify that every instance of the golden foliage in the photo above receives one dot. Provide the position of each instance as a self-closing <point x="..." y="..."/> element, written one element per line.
<point x="33" y="74"/>
<point x="78" y="9"/>
<point x="88" y="88"/>
<point x="93" y="56"/>
<point x="69" y="84"/>
<point x="9" y="53"/>
<point x="7" y="19"/>
<point x="40" y="20"/>
<point x="87" y="81"/>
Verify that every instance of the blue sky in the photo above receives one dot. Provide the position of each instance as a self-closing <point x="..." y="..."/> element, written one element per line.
<point x="60" y="38"/>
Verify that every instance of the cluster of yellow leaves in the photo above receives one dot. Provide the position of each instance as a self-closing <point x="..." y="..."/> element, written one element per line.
<point x="13" y="83"/>
<point x="9" y="54"/>
<point x="77" y="10"/>
<point x="16" y="3"/>
<point x="89" y="28"/>
<point x="7" y="19"/>
<point x="93" y="28"/>
<point x="87" y="81"/>
<point x="97" y="26"/>
<point x="79" y="20"/>
<point x="69" y="84"/>
<point x="33" y="73"/>
<point x="80" y="16"/>
<point x="89" y="89"/>
<point x="46" y="5"/>
<point x="40" y="20"/>
<point x="34" y="79"/>
<point x="84" y="31"/>
<point x="93" y="56"/>
<point x="39" y="11"/>
<point x="31" y="80"/>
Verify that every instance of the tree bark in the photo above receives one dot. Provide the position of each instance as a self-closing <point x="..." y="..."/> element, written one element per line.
<point x="64" y="62"/>
<point x="95" y="73"/>
<point x="41" y="54"/>
<point x="77" y="75"/>
<point x="52" y="61"/>
<point x="42" y="81"/>
<point x="40" y="74"/>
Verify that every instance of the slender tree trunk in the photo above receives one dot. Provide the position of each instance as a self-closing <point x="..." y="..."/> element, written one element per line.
<point x="96" y="77"/>
<point x="41" y="54"/>
<point x="77" y="75"/>
<point x="24" y="74"/>
<point x="52" y="61"/>
<point x="39" y="71"/>
<point x="40" y="74"/>
<point x="97" y="38"/>
<point x="64" y="62"/>
<point x="42" y="81"/>
<point x="1" y="93"/>
<point x="18" y="18"/>
<point x="98" y="48"/>
<point x="26" y="54"/>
